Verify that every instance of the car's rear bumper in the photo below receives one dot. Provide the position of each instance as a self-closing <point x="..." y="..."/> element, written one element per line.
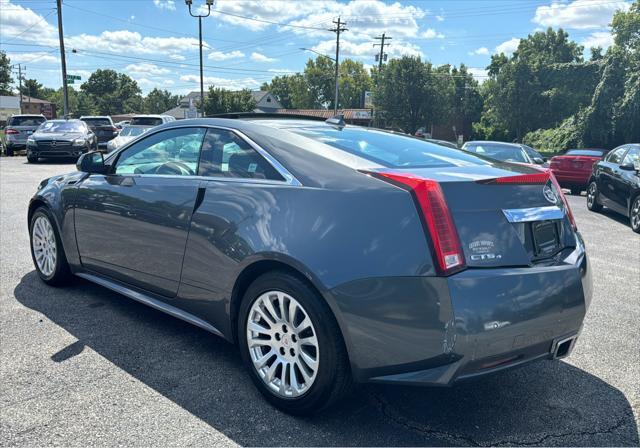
<point x="572" y="179"/>
<point x="473" y="323"/>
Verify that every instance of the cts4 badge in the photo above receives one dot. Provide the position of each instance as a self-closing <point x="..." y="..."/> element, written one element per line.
<point x="483" y="250"/>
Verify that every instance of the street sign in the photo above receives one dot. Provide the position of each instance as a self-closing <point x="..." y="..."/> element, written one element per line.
<point x="368" y="100"/>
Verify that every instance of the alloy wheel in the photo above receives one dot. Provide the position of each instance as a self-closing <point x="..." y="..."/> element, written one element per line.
<point x="635" y="214"/>
<point x="283" y="344"/>
<point x="43" y="241"/>
<point x="591" y="194"/>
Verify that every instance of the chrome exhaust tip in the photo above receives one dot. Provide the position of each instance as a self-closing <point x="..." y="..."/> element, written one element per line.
<point x="562" y="348"/>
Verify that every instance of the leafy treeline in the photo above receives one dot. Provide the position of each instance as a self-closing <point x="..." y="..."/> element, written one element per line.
<point x="545" y="94"/>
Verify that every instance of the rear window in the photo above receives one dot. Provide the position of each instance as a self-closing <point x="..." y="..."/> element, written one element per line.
<point x="26" y="121"/>
<point x="503" y="153"/>
<point x="146" y="121"/>
<point x="390" y="150"/>
<point x="97" y="121"/>
<point x="585" y="152"/>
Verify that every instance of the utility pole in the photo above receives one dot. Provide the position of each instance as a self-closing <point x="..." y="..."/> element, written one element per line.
<point x="340" y="27"/>
<point x="200" y="17"/>
<point x="20" y="75"/>
<point x="65" y="88"/>
<point x="382" y="54"/>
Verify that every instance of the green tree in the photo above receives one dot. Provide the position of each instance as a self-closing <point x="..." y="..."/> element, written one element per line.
<point x="5" y="74"/>
<point x="31" y="87"/>
<point x="354" y="80"/>
<point x="84" y="105"/>
<point x="158" y="101"/>
<point x="320" y="77"/>
<point x="221" y="101"/>
<point x="113" y="92"/>
<point x="292" y="91"/>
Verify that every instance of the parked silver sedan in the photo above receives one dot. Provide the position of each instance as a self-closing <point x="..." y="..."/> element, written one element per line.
<point x="127" y="134"/>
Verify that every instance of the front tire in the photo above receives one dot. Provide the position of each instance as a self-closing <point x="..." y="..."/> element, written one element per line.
<point x="592" y="197"/>
<point x="291" y="344"/>
<point x="46" y="249"/>
<point x="32" y="159"/>
<point x="634" y="216"/>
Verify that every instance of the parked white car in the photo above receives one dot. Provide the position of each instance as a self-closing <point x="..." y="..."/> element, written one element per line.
<point x="127" y="134"/>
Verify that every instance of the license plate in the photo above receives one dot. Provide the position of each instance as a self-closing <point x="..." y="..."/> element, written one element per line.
<point x="545" y="238"/>
<point x="577" y="164"/>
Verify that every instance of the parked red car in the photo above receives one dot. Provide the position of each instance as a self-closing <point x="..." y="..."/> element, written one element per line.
<point x="573" y="168"/>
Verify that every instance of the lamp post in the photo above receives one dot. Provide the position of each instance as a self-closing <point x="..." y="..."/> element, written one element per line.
<point x="209" y="4"/>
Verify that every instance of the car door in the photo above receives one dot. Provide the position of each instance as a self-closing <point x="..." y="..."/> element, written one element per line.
<point x="132" y="223"/>
<point x="627" y="180"/>
<point x="608" y="170"/>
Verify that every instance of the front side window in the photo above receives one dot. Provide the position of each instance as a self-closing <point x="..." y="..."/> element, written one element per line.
<point x="616" y="155"/>
<point x="172" y="152"/>
<point x="225" y="154"/>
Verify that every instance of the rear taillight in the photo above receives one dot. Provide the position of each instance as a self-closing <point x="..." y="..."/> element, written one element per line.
<point x="11" y="132"/>
<point x="436" y="218"/>
<point x="564" y="200"/>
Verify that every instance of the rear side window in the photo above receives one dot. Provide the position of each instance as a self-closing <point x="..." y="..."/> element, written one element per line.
<point x="26" y="121"/>
<point x="146" y="121"/>
<point x="97" y="121"/>
<point x="616" y="155"/>
<point x="225" y="154"/>
<point x="584" y="152"/>
<point x="391" y="150"/>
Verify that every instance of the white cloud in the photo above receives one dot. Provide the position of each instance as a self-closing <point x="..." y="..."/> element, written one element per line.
<point x="132" y="17"/>
<point x="39" y="57"/>
<point x="225" y="83"/>
<point x="479" y="51"/>
<point x="480" y="74"/>
<point x="169" y="5"/>
<point x="440" y="18"/>
<point x="602" y="39"/>
<point x="222" y="56"/>
<point x="365" y="49"/>
<point x="259" y="57"/>
<point x="579" y="14"/>
<point x="508" y="47"/>
<point x="17" y="21"/>
<point x="147" y="68"/>
<point x="282" y="71"/>
<point x="432" y="34"/>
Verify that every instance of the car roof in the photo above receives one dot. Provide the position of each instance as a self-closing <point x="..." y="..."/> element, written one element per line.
<point x="95" y="116"/>
<point x="479" y="142"/>
<point x="28" y="115"/>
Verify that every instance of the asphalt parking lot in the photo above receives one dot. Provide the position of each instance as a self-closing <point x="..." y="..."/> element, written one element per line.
<point x="84" y="366"/>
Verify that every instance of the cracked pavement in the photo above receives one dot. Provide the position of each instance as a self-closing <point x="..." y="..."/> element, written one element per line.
<point x="85" y="366"/>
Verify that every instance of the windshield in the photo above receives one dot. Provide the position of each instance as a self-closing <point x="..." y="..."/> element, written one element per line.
<point x="26" y="121"/>
<point x="384" y="148"/>
<point x="61" y="126"/>
<point x="503" y="153"/>
<point x="585" y="152"/>
<point x="132" y="132"/>
<point x="97" y="121"/>
<point x="146" y="121"/>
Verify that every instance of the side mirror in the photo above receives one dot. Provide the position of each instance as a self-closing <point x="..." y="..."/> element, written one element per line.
<point x="628" y="167"/>
<point x="92" y="163"/>
<point x="538" y="160"/>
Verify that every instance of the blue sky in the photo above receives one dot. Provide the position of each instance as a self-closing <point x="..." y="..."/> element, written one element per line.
<point x="249" y="42"/>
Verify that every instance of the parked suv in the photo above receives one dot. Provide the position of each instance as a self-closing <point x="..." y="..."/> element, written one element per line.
<point x="19" y="128"/>
<point x="103" y="127"/>
<point x="150" y="120"/>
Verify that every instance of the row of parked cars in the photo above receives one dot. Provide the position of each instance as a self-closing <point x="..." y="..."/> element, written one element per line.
<point x="610" y="178"/>
<point x="42" y="138"/>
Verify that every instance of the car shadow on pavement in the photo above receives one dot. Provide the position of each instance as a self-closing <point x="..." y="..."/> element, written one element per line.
<point x="546" y="403"/>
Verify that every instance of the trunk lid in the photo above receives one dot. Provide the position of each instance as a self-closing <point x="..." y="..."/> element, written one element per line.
<point x="503" y="224"/>
<point x="573" y="163"/>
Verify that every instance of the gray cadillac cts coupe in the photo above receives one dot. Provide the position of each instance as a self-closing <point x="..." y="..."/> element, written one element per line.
<point x="331" y="254"/>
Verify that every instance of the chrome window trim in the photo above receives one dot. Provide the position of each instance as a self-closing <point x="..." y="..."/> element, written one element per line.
<point x="289" y="179"/>
<point x="533" y="214"/>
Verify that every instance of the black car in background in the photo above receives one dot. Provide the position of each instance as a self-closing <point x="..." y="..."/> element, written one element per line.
<point x="103" y="127"/>
<point x="60" y="138"/>
<point x="615" y="183"/>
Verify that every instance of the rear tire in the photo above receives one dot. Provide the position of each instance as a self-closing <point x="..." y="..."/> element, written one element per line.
<point x="592" y="197"/>
<point x="32" y="159"/>
<point x="634" y="215"/>
<point x="47" y="252"/>
<point x="309" y="340"/>
<point x="576" y="191"/>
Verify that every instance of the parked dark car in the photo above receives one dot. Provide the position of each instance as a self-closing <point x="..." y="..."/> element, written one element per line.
<point x="60" y="138"/>
<point x="442" y="143"/>
<point x="104" y="129"/>
<point x="615" y="183"/>
<point x="573" y="168"/>
<point x="18" y="129"/>
<point x="505" y="152"/>
<point x="328" y="253"/>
